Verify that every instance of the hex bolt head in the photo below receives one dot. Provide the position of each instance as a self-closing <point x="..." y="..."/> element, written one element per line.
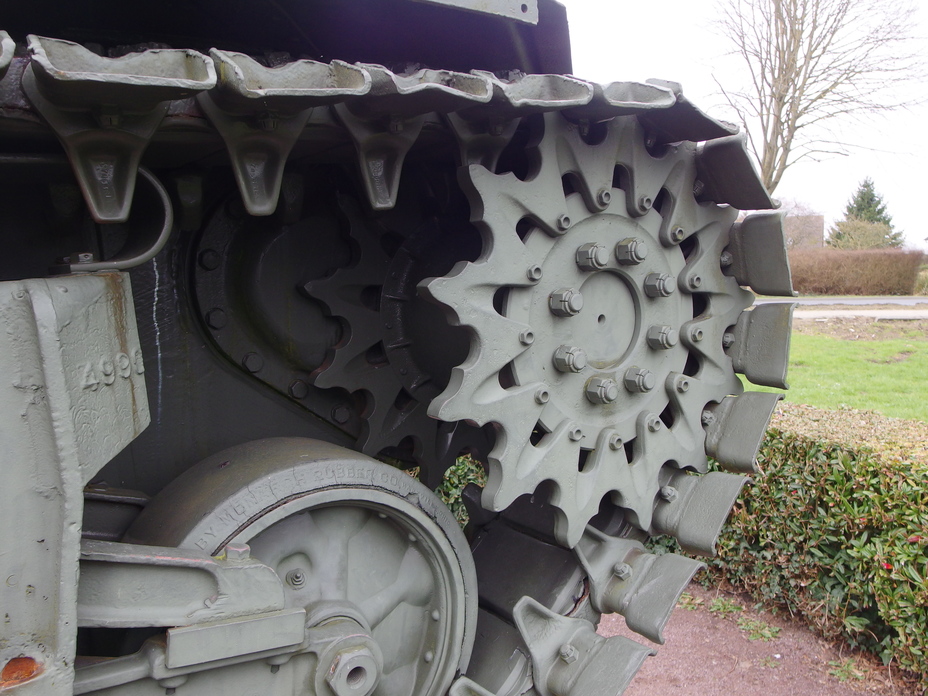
<point x="534" y="273"/>
<point x="677" y="235"/>
<point x="615" y="442"/>
<point x="728" y="339"/>
<point x="565" y="302"/>
<point x="592" y="257"/>
<point x="659" y="285"/>
<point x="602" y="390"/>
<point x="252" y="362"/>
<point x="662" y="337"/>
<point x="654" y="423"/>
<point x="353" y="672"/>
<point x="639" y="380"/>
<point x="542" y="395"/>
<point x="209" y="259"/>
<point x="622" y="571"/>
<point x="668" y="493"/>
<point x="574" y="433"/>
<point x="693" y="282"/>
<point x="604" y="198"/>
<point x="631" y="251"/>
<point x="527" y="337"/>
<point x="568" y="653"/>
<point x="341" y="414"/>
<point x="681" y="384"/>
<point x="216" y="318"/>
<point x="707" y="418"/>
<point x="298" y="389"/>
<point x="569" y="359"/>
<point x="697" y="334"/>
<point x="563" y="223"/>
<point x="726" y="259"/>
<point x="644" y="204"/>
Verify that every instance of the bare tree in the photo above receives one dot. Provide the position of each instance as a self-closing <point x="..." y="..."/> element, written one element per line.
<point x="811" y="62"/>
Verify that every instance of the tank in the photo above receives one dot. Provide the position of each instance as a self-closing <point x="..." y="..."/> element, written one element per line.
<point x="275" y="271"/>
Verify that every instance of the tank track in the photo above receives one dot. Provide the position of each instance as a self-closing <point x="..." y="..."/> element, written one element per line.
<point x="584" y="276"/>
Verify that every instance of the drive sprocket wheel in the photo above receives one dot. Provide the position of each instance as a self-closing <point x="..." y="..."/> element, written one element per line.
<point x="598" y="309"/>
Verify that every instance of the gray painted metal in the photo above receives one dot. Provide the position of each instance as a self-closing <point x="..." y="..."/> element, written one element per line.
<point x="758" y="255"/>
<point x="735" y="429"/>
<point x="7" y="48"/>
<point x="130" y="585"/>
<point x="73" y="396"/>
<point x="521" y="10"/>
<point x="760" y="348"/>
<point x="219" y="640"/>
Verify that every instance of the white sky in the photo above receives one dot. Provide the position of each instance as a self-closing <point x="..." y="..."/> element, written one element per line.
<point x="675" y="40"/>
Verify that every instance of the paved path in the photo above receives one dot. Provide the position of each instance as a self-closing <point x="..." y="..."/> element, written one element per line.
<point x="851" y="300"/>
<point x="861" y="312"/>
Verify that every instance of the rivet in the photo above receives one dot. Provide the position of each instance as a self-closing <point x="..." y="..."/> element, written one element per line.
<point x="631" y="251"/>
<point x="563" y="222"/>
<point x="565" y="302"/>
<point x="659" y="285"/>
<point x="637" y="379"/>
<point x="569" y="359"/>
<point x="209" y="259"/>
<point x="429" y="656"/>
<point x="668" y="493"/>
<point x="542" y="395"/>
<point x="527" y="337"/>
<point x="534" y="273"/>
<point x="436" y="615"/>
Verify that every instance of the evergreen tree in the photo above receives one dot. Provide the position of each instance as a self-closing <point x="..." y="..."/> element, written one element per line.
<point x="868" y="205"/>
<point x="866" y="223"/>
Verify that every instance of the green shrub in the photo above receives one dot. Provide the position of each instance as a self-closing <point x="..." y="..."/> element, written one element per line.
<point x="839" y="537"/>
<point x="921" y="284"/>
<point x="842" y="272"/>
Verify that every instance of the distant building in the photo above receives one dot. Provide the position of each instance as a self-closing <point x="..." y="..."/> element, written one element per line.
<point x="804" y="231"/>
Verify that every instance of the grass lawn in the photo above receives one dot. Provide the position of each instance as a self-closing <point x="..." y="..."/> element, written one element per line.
<point x="890" y="377"/>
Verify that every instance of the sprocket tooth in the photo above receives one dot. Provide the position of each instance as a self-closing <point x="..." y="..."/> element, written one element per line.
<point x="568" y="657"/>
<point x="694" y="508"/>
<point x="760" y="344"/>
<point x="727" y="175"/>
<point x="735" y="429"/>
<point x="682" y="121"/>
<point x="621" y="99"/>
<point x="757" y="255"/>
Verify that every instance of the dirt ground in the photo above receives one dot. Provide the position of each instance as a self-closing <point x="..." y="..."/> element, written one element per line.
<point x="863" y="328"/>
<point x="706" y="653"/>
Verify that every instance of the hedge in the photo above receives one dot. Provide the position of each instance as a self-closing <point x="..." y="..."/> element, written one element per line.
<point x="839" y="537"/>
<point x="843" y="272"/>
